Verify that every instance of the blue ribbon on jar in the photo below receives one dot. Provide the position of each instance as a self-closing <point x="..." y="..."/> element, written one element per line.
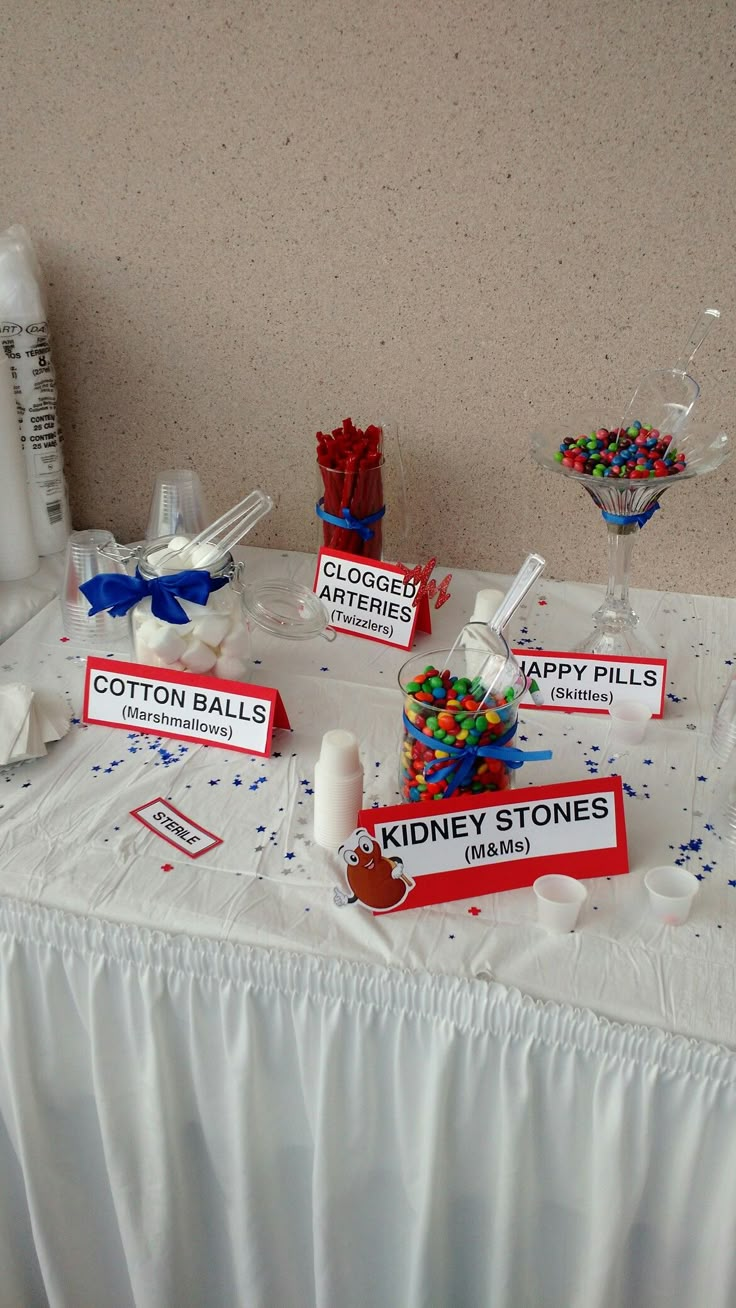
<point x="350" y="523"/>
<point x="114" y="593"/>
<point x="463" y="759"/>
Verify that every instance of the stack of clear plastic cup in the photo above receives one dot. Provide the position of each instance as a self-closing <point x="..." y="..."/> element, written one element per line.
<point x="338" y="789"/>
<point x="84" y="560"/>
<point x="177" y="505"/>
<point x="723" y="735"/>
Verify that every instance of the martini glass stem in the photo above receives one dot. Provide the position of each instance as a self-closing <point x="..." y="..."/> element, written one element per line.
<point x="616" y="613"/>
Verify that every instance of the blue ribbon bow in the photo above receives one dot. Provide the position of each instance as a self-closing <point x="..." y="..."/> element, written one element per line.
<point x="116" y="593"/>
<point x="463" y="759"/>
<point x="361" y="525"/>
<point x="625" y="519"/>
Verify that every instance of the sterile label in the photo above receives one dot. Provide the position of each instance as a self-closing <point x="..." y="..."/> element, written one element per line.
<point x="173" y="827"/>
<point x="591" y="683"/>
<point x="462" y="847"/>
<point x="364" y="597"/>
<point x="207" y="710"/>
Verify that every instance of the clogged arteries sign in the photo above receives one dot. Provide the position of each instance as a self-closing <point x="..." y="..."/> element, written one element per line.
<point x="370" y="599"/>
<point x="467" y="846"/>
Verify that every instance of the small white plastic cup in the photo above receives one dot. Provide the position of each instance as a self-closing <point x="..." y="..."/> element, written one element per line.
<point x="629" y="722"/>
<point x="671" y="892"/>
<point x="559" y="901"/>
<point x="487" y="604"/>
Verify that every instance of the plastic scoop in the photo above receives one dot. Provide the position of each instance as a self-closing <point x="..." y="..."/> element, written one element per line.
<point x="495" y="673"/>
<point x="215" y="541"/>
<point x="478" y="648"/>
<point x="665" y="396"/>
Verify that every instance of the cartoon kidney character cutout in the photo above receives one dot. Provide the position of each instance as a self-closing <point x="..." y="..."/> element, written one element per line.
<point x="377" y="882"/>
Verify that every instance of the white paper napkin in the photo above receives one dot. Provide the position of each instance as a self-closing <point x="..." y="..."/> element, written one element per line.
<point x="28" y="719"/>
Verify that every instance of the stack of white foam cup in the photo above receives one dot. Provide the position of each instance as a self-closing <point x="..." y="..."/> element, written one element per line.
<point x="338" y="789"/>
<point x="487" y="603"/>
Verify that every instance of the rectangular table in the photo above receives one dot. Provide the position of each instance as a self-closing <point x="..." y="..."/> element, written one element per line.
<point x="256" y="1096"/>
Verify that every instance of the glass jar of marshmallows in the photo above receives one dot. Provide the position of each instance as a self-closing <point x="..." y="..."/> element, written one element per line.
<point x="213" y="639"/>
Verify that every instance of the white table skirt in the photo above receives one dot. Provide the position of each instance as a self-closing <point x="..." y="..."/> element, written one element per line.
<point x="225" y="1125"/>
<point x="218" y="1087"/>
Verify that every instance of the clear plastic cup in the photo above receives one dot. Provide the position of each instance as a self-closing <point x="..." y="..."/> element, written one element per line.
<point x="629" y="722"/>
<point x="559" y="901"/>
<point x="671" y="892"/>
<point x="84" y="560"/>
<point x="723" y="736"/>
<point x="177" y="505"/>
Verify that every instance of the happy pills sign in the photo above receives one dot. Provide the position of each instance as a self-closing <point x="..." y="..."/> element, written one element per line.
<point x="207" y="710"/>
<point x="460" y="848"/>
<point x="591" y="683"/>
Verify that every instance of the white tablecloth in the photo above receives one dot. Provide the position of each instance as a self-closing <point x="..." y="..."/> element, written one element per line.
<point x="255" y="1096"/>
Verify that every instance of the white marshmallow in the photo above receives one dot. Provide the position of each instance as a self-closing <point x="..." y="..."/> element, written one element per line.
<point x="212" y="628"/>
<point x="167" y="644"/>
<point x="147" y="628"/>
<point x="177" y="667"/>
<point x="198" y="657"/>
<point x="231" y="669"/>
<point x="237" y="643"/>
<point x="145" y="655"/>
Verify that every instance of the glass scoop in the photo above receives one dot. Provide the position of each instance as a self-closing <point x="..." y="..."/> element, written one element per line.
<point x="664" y="397"/>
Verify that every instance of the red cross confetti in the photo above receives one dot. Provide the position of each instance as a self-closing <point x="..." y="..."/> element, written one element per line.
<point x="63" y="639"/>
<point x="475" y="911"/>
<point x="167" y="867"/>
<point x="541" y="603"/>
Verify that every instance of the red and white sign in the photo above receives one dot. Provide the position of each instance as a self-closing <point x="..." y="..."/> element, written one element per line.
<point x="464" y="847"/>
<point x="364" y="597"/>
<point x="207" y="710"/>
<point x="172" y="826"/>
<point x="591" y="683"/>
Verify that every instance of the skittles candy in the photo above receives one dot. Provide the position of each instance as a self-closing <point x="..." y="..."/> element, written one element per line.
<point x="633" y="453"/>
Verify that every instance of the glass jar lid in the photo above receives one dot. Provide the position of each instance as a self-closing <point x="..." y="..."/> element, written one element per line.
<point x="285" y="608"/>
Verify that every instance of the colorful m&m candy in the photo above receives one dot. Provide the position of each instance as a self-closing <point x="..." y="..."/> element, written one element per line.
<point x="445" y="711"/>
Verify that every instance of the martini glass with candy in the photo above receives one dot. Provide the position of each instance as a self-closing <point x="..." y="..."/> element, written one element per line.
<point x="626" y="470"/>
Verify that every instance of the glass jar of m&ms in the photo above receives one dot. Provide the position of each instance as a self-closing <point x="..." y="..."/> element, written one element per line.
<point x="458" y="717"/>
<point x="213" y="640"/>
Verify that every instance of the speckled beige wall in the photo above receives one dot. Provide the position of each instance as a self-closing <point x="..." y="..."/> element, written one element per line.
<point x="258" y="218"/>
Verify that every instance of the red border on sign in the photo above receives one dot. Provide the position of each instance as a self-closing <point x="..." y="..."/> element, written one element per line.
<point x="207" y="683"/>
<point x="136" y="813"/>
<point x="489" y="878"/>
<point x="380" y="567"/>
<point x="589" y="658"/>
